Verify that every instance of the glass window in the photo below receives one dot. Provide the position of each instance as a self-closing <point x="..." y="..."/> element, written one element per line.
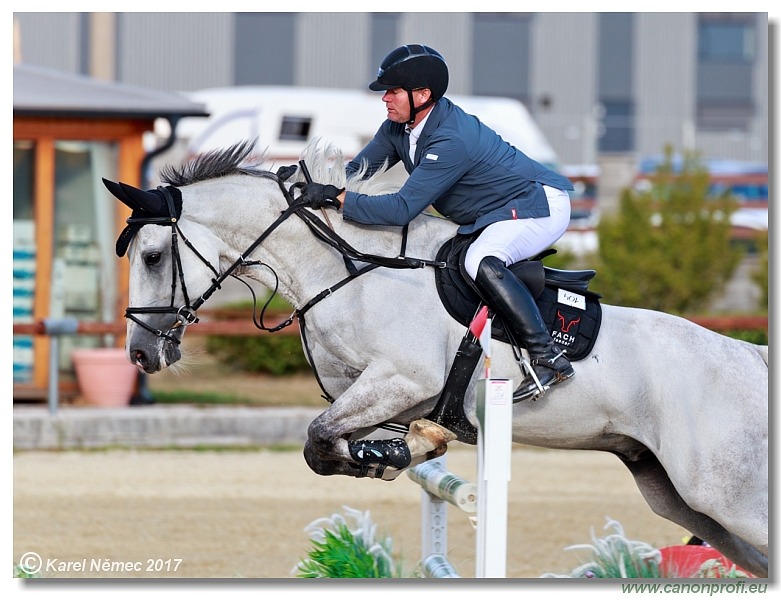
<point x="384" y="38"/>
<point x="501" y="65"/>
<point x="617" y="126"/>
<point x="616" y="57"/>
<point x="24" y="260"/>
<point x="264" y="48"/>
<point x="725" y="40"/>
<point x="84" y="284"/>
<point x="295" y="128"/>
<point x="727" y="48"/>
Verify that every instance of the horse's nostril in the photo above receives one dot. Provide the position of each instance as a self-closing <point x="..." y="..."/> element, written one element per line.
<point x="138" y="357"/>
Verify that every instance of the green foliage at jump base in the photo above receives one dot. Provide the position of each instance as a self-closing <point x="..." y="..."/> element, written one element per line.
<point x="347" y="547"/>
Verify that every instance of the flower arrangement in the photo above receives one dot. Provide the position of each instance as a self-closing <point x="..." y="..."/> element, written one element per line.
<point x="347" y="546"/>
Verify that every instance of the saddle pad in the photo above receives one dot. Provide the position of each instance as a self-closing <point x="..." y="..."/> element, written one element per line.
<point x="574" y="329"/>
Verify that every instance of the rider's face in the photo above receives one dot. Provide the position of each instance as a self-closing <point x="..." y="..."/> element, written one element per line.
<point x="397" y="104"/>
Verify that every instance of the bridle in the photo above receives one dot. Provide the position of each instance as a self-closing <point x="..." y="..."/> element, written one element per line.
<point x="186" y="314"/>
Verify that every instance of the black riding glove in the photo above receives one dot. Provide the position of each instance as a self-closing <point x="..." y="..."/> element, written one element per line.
<point x="285" y="173"/>
<point x="317" y="195"/>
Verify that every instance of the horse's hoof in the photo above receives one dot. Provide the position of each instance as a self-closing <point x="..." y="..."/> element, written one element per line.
<point x="426" y="436"/>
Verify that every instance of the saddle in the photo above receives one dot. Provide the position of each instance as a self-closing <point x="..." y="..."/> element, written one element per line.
<point x="570" y="310"/>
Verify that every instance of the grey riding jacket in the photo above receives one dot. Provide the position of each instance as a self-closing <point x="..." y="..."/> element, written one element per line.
<point x="463" y="168"/>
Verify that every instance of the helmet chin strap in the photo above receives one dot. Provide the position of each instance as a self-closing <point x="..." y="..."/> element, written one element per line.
<point x="414" y="111"/>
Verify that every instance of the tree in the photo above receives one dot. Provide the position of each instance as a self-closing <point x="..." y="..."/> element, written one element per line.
<point x="761" y="276"/>
<point x="668" y="246"/>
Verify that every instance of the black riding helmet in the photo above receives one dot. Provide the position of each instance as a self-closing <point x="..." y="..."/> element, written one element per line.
<point x="412" y="67"/>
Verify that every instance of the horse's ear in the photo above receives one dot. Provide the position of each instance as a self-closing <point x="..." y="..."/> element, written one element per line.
<point x="134" y="198"/>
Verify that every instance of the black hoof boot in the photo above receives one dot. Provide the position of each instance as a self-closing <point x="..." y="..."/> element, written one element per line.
<point x="386" y="453"/>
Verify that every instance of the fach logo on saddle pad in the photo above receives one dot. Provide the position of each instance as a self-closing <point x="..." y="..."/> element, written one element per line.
<point x="573" y="318"/>
<point x="571" y="311"/>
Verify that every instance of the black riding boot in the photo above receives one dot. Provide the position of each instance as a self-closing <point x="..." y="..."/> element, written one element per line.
<point x="513" y="302"/>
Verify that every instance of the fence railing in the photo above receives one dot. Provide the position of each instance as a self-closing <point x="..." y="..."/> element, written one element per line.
<point x="240" y="324"/>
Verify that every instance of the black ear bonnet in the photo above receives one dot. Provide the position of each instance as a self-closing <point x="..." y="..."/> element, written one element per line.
<point x="148" y="206"/>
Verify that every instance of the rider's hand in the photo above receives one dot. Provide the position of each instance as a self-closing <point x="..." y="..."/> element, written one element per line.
<point x="317" y="195"/>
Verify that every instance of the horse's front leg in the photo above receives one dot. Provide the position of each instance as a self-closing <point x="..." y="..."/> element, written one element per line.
<point x="377" y="396"/>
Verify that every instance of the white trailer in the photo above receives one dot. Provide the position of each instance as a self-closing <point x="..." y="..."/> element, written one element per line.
<point x="284" y="119"/>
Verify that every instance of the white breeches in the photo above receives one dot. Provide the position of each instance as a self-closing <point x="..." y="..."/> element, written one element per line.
<point x="518" y="239"/>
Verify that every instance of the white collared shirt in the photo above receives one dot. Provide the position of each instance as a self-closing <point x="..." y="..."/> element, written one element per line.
<point x="414" y="134"/>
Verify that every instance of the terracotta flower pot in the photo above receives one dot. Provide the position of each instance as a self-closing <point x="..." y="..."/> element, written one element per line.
<point x="105" y="376"/>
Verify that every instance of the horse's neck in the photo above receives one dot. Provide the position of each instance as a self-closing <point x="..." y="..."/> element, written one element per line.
<point x="239" y="210"/>
<point x="315" y="266"/>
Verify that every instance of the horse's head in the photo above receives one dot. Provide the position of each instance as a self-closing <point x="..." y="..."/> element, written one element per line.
<point x="178" y="259"/>
<point x="173" y="262"/>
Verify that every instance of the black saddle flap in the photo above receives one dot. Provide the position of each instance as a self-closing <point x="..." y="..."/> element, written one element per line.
<point x="573" y="318"/>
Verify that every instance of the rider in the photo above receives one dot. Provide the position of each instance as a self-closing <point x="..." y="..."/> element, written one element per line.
<point x="471" y="176"/>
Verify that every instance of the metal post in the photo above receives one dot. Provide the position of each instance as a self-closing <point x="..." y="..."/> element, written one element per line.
<point x="55" y="328"/>
<point x="54" y="374"/>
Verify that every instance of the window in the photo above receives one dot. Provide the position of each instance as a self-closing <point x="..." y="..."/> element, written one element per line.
<point x="264" y="49"/>
<point x="501" y="56"/>
<point x="617" y="126"/>
<point x="616" y="56"/>
<point x="726" y="38"/>
<point x="384" y="38"/>
<point x="295" y="129"/>
<point x="79" y="274"/>
<point x="726" y="54"/>
<point x="25" y="258"/>
<point x="84" y="232"/>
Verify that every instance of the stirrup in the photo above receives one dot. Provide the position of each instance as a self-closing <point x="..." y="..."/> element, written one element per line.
<point x="529" y="392"/>
<point x="526" y="391"/>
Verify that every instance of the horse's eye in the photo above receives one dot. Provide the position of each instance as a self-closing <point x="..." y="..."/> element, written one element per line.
<point x="152" y="258"/>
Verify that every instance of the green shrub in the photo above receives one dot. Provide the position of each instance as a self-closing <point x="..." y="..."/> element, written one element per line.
<point x="272" y="354"/>
<point x="668" y="247"/>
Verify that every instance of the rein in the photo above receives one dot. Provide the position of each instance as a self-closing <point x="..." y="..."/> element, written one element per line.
<point x="187" y="314"/>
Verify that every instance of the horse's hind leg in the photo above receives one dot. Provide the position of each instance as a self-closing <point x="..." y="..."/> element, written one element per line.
<point x="664" y="500"/>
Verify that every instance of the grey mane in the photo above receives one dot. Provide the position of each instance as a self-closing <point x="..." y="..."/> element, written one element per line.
<point x="325" y="162"/>
<point x="215" y="164"/>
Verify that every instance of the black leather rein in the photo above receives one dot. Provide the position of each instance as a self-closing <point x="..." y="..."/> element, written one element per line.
<point x="187" y="314"/>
